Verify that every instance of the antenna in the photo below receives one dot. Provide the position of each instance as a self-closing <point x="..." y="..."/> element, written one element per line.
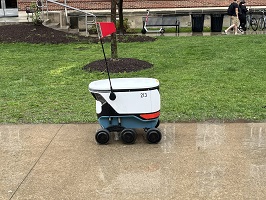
<point x="104" y="29"/>
<point x="112" y="95"/>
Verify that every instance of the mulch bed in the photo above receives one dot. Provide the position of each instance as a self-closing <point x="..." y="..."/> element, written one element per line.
<point x="119" y="65"/>
<point x="30" y="33"/>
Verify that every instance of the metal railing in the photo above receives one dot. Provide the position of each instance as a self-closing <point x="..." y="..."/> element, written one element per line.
<point x="87" y="14"/>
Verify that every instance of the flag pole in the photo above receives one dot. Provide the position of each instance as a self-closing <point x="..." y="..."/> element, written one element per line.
<point x="112" y="95"/>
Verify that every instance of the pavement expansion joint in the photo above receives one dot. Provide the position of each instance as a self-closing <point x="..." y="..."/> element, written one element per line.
<point x="23" y="180"/>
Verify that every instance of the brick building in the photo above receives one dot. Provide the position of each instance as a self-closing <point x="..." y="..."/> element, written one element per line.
<point x="142" y="4"/>
<point x="10" y="8"/>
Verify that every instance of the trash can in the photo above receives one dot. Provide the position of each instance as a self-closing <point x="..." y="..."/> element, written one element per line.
<point x="217" y="22"/>
<point x="197" y="22"/>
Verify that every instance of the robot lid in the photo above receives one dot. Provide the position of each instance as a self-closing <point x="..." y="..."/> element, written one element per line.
<point x="124" y="84"/>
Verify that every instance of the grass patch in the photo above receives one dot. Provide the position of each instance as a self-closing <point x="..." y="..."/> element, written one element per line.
<point x="201" y="78"/>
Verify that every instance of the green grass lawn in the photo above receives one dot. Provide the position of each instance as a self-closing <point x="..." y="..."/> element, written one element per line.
<point x="201" y="78"/>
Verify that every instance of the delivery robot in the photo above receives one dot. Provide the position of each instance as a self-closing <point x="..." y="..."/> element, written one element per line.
<point x="126" y="104"/>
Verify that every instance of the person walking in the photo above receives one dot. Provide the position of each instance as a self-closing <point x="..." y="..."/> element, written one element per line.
<point x="242" y="15"/>
<point x="233" y="13"/>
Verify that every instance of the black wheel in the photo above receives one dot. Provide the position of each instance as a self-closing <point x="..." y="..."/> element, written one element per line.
<point x="128" y="136"/>
<point x="254" y="24"/>
<point x="143" y="31"/>
<point x="261" y="24"/>
<point x="102" y="136"/>
<point x="153" y="136"/>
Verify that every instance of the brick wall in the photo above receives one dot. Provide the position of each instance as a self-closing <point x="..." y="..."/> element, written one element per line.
<point x="142" y="4"/>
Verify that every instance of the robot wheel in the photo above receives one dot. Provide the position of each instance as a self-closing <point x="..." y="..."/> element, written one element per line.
<point x="102" y="136"/>
<point x="128" y="136"/>
<point x="153" y="135"/>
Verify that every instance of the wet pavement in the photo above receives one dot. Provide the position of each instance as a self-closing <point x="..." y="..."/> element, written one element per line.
<point x="192" y="161"/>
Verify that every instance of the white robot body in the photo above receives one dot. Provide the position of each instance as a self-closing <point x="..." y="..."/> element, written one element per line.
<point x="136" y="103"/>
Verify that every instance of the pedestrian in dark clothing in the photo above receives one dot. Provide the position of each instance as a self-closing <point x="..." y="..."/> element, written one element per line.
<point x="234" y="17"/>
<point x="242" y="15"/>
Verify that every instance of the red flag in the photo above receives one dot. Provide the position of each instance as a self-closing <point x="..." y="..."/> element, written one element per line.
<point x="106" y="28"/>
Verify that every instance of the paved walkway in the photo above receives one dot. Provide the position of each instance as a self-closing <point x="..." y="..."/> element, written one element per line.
<point x="192" y="161"/>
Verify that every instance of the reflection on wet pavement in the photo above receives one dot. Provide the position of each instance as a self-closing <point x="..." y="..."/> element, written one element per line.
<point x="193" y="161"/>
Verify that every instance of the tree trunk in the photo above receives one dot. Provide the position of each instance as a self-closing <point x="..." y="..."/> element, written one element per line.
<point x="121" y="17"/>
<point x="114" y="54"/>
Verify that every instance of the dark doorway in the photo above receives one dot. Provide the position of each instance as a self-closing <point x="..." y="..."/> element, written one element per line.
<point x="8" y="8"/>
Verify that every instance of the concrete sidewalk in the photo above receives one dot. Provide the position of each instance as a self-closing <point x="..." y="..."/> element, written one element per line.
<point x="192" y="161"/>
